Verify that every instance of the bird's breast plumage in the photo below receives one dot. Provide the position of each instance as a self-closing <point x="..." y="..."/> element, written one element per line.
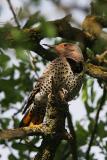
<point x="60" y="71"/>
<point x="65" y="72"/>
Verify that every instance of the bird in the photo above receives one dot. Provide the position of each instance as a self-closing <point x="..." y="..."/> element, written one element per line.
<point x="67" y="71"/>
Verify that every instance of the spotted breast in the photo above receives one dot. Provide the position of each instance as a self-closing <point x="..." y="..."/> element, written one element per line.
<point x="67" y="73"/>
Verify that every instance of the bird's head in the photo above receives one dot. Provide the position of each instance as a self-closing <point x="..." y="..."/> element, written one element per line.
<point x="69" y="50"/>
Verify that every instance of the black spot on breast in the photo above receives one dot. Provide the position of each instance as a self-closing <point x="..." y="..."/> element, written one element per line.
<point x="77" y="67"/>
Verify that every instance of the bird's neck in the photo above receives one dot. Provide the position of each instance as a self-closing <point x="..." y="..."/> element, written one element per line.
<point x="77" y="67"/>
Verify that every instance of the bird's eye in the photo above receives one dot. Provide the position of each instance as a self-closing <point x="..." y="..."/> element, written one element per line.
<point x="65" y="45"/>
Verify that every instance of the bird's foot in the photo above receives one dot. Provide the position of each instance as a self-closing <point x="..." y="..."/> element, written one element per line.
<point x="35" y="126"/>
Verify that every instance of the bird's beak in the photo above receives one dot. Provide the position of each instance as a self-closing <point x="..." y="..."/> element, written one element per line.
<point x="50" y="46"/>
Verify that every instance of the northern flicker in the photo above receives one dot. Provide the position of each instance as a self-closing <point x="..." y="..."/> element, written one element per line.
<point x="66" y="71"/>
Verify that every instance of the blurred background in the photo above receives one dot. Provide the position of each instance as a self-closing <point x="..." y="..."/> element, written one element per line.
<point x="18" y="74"/>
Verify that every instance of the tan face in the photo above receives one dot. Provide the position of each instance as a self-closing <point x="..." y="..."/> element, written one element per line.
<point x="69" y="50"/>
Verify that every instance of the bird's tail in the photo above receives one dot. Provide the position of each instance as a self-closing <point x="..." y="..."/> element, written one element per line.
<point x="33" y="117"/>
<point x="26" y="119"/>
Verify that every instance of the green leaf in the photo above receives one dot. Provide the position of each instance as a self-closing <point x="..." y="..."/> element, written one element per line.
<point x="62" y="150"/>
<point x="93" y="94"/>
<point x="84" y="93"/>
<point x="3" y="60"/>
<point x="34" y="18"/>
<point x="12" y="157"/>
<point x="20" y="54"/>
<point x="16" y="122"/>
<point x="19" y="146"/>
<point x="101" y="130"/>
<point x="7" y="72"/>
<point x="48" y="29"/>
<point x="16" y="34"/>
<point x="5" y="122"/>
<point x="12" y="95"/>
<point x="82" y="134"/>
<point x="90" y="53"/>
<point x="88" y="108"/>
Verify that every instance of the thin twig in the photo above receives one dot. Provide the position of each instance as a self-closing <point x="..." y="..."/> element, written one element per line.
<point x="13" y="12"/>
<point x="74" y="141"/>
<point x="101" y="104"/>
<point x="102" y="58"/>
<point x="18" y="111"/>
<point x="31" y="59"/>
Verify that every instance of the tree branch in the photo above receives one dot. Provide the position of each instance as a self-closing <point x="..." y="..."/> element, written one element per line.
<point x="102" y="58"/>
<point x="55" y="119"/>
<point x="22" y="132"/>
<point x="53" y="131"/>
<point x="100" y="106"/>
<point x="32" y="37"/>
<point x="73" y="143"/>
<point x="96" y="71"/>
<point x="13" y="12"/>
<point x="12" y="37"/>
